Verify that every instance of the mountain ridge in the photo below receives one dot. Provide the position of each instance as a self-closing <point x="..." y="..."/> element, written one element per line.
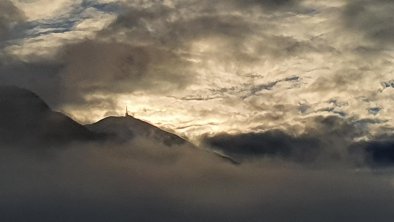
<point x="26" y="118"/>
<point x="124" y="128"/>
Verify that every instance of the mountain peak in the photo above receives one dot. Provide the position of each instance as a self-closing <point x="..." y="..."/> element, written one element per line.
<point x="25" y="117"/>
<point x="124" y="128"/>
<point x="20" y="102"/>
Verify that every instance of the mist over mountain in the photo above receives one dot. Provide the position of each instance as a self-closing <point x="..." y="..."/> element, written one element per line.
<point x="26" y="120"/>
<point x="120" y="168"/>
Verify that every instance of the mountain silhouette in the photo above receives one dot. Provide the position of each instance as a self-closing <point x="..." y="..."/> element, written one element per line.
<point x="26" y="119"/>
<point x="122" y="129"/>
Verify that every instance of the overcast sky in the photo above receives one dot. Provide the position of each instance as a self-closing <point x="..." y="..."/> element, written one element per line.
<point x="298" y="92"/>
<point x="200" y="66"/>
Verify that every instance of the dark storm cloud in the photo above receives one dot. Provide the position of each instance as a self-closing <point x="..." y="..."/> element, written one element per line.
<point x="372" y="18"/>
<point x="269" y="4"/>
<point x="271" y="143"/>
<point x="381" y="152"/>
<point x="325" y="139"/>
<point x="377" y="153"/>
<point x="10" y="18"/>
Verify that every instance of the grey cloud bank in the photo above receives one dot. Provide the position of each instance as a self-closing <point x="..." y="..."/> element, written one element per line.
<point x="10" y="18"/>
<point x="144" y="183"/>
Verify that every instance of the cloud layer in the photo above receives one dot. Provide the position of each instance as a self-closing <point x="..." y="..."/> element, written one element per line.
<point x="145" y="182"/>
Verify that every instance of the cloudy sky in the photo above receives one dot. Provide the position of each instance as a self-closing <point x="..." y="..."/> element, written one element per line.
<point x="204" y="67"/>
<point x="299" y="92"/>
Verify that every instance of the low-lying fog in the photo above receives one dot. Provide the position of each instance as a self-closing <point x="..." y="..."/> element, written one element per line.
<point x="140" y="181"/>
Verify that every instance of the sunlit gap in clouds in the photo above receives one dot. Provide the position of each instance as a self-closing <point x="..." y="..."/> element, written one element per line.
<point x="166" y="112"/>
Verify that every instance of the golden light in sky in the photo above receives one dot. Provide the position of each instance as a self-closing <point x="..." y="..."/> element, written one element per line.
<point x="218" y="67"/>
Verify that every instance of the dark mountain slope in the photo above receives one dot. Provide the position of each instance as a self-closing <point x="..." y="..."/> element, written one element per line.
<point x="26" y="121"/>
<point x="25" y="117"/>
<point x="125" y="128"/>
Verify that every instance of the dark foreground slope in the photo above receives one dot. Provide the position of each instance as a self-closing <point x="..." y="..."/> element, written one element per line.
<point x="26" y="118"/>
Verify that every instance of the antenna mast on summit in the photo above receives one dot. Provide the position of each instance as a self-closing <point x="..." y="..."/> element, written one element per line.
<point x="127" y="112"/>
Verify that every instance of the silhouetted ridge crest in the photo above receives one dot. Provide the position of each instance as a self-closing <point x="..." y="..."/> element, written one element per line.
<point x="20" y="105"/>
<point x="125" y="128"/>
<point x="25" y="117"/>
